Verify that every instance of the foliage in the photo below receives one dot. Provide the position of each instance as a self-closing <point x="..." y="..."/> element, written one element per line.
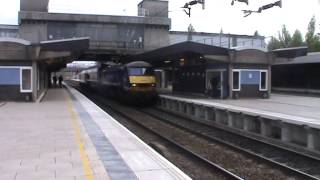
<point x="190" y="31"/>
<point x="284" y="37"/>
<point x="311" y="30"/>
<point x="312" y="39"/>
<point x="256" y="33"/>
<point x="296" y="39"/>
<point x="274" y="44"/>
<point x="284" y="40"/>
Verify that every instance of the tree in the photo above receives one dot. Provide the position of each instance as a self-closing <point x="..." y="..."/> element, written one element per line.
<point x="190" y="31"/>
<point x="312" y="40"/>
<point x="284" y="40"/>
<point x="256" y="33"/>
<point x="296" y="40"/>
<point x="311" y="30"/>
<point x="221" y="31"/>
<point x="284" y="37"/>
<point x="274" y="44"/>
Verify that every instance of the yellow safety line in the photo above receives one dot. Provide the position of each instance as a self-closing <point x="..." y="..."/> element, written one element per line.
<point x="80" y="142"/>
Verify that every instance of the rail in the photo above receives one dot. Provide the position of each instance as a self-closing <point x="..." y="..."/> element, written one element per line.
<point x="266" y="152"/>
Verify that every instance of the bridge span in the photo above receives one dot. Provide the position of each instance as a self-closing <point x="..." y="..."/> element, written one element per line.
<point x="109" y="35"/>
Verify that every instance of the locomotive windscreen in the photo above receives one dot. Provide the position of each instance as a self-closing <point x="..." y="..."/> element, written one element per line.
<point x="140" y="71"/>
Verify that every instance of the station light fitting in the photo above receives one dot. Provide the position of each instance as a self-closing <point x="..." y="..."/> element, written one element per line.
<point x="243" y="1"/>
<point x="187" y="6"/>
<point x="262" y="8"/>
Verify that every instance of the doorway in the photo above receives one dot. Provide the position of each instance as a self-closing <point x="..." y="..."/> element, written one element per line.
<point x="216" y="83"/>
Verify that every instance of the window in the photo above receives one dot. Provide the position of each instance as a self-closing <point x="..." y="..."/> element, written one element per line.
<point x="263" y="81"/>
<point x="140" y="71"/>
<point x="26" y="79"/>
<point x="236" y="80"/>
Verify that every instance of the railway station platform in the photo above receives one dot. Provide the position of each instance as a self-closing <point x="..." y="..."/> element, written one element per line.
<point x="67" y="137"/>
<point x="288" y="120"/>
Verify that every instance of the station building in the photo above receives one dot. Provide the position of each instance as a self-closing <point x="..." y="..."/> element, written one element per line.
<point x="9" y="31"/>
<point x="219" y="72"/>
<point x="25" y="67"/>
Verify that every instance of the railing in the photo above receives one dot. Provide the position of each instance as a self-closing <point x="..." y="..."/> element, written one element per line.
<point x="252" y="43"/>
<point x="115" y="44"/>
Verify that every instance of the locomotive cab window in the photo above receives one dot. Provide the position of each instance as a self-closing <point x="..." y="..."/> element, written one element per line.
<point x="140" y="71"/>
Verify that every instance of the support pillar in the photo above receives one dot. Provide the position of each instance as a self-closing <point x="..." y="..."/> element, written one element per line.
<point x="189" y="111"/>
<point x="181" y="110"/>
<point x="311" y="137"/>
<point x="163" y="79"/>
<point x="285" y="132"/>
<point x="230" y="79"/>
<point x="217" y="115"/>
<point x="34" y="80"/>
<point x="166" y="104"/>
<point x="230" y="118"/>
<point x="171" y="103"/>
<point x="264" y="126"/>
<point x="176" y="106"/>
<point x="197" y="111"/>
<point x="246" y="123"/>
<point x="206" y="114"/>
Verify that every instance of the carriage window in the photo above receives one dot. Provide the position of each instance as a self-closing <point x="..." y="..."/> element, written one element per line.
<point x="139" y="71"/>
<point x="236" y="81"/>
<point x="263" y="81"/>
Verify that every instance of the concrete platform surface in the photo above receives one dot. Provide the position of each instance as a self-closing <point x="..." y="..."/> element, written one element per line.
<point x="296" y="109"/>
<point x="39" y="142"/>
<point x="66" y="136"/>
<point x="133" y="157"/>
<point x="301" y="106"/>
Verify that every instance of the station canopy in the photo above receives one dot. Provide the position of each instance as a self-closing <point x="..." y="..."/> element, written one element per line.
<point x="160" y="57"/>
<point x="55" y="54"/>
<point x="291" y="52"/>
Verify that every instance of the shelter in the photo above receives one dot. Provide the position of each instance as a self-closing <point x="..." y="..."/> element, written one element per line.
<point x="196" y="68"/>
<point x="25" y="67"/>
<point x="301" y="75"/>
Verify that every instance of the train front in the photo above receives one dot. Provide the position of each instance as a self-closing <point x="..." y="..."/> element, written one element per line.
<point x="142" y="82"/>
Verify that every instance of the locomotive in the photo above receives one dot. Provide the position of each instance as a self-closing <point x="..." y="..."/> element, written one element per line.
<point x="133" y="82"/>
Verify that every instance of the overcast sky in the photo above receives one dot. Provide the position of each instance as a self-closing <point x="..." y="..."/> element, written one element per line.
<point x="218" y="14"/>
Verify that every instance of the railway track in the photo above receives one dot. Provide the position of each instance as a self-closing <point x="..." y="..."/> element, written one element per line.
<point x="293" y="162"/>
<point x="237" y="158"/>
<point x="116" y="109"/>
